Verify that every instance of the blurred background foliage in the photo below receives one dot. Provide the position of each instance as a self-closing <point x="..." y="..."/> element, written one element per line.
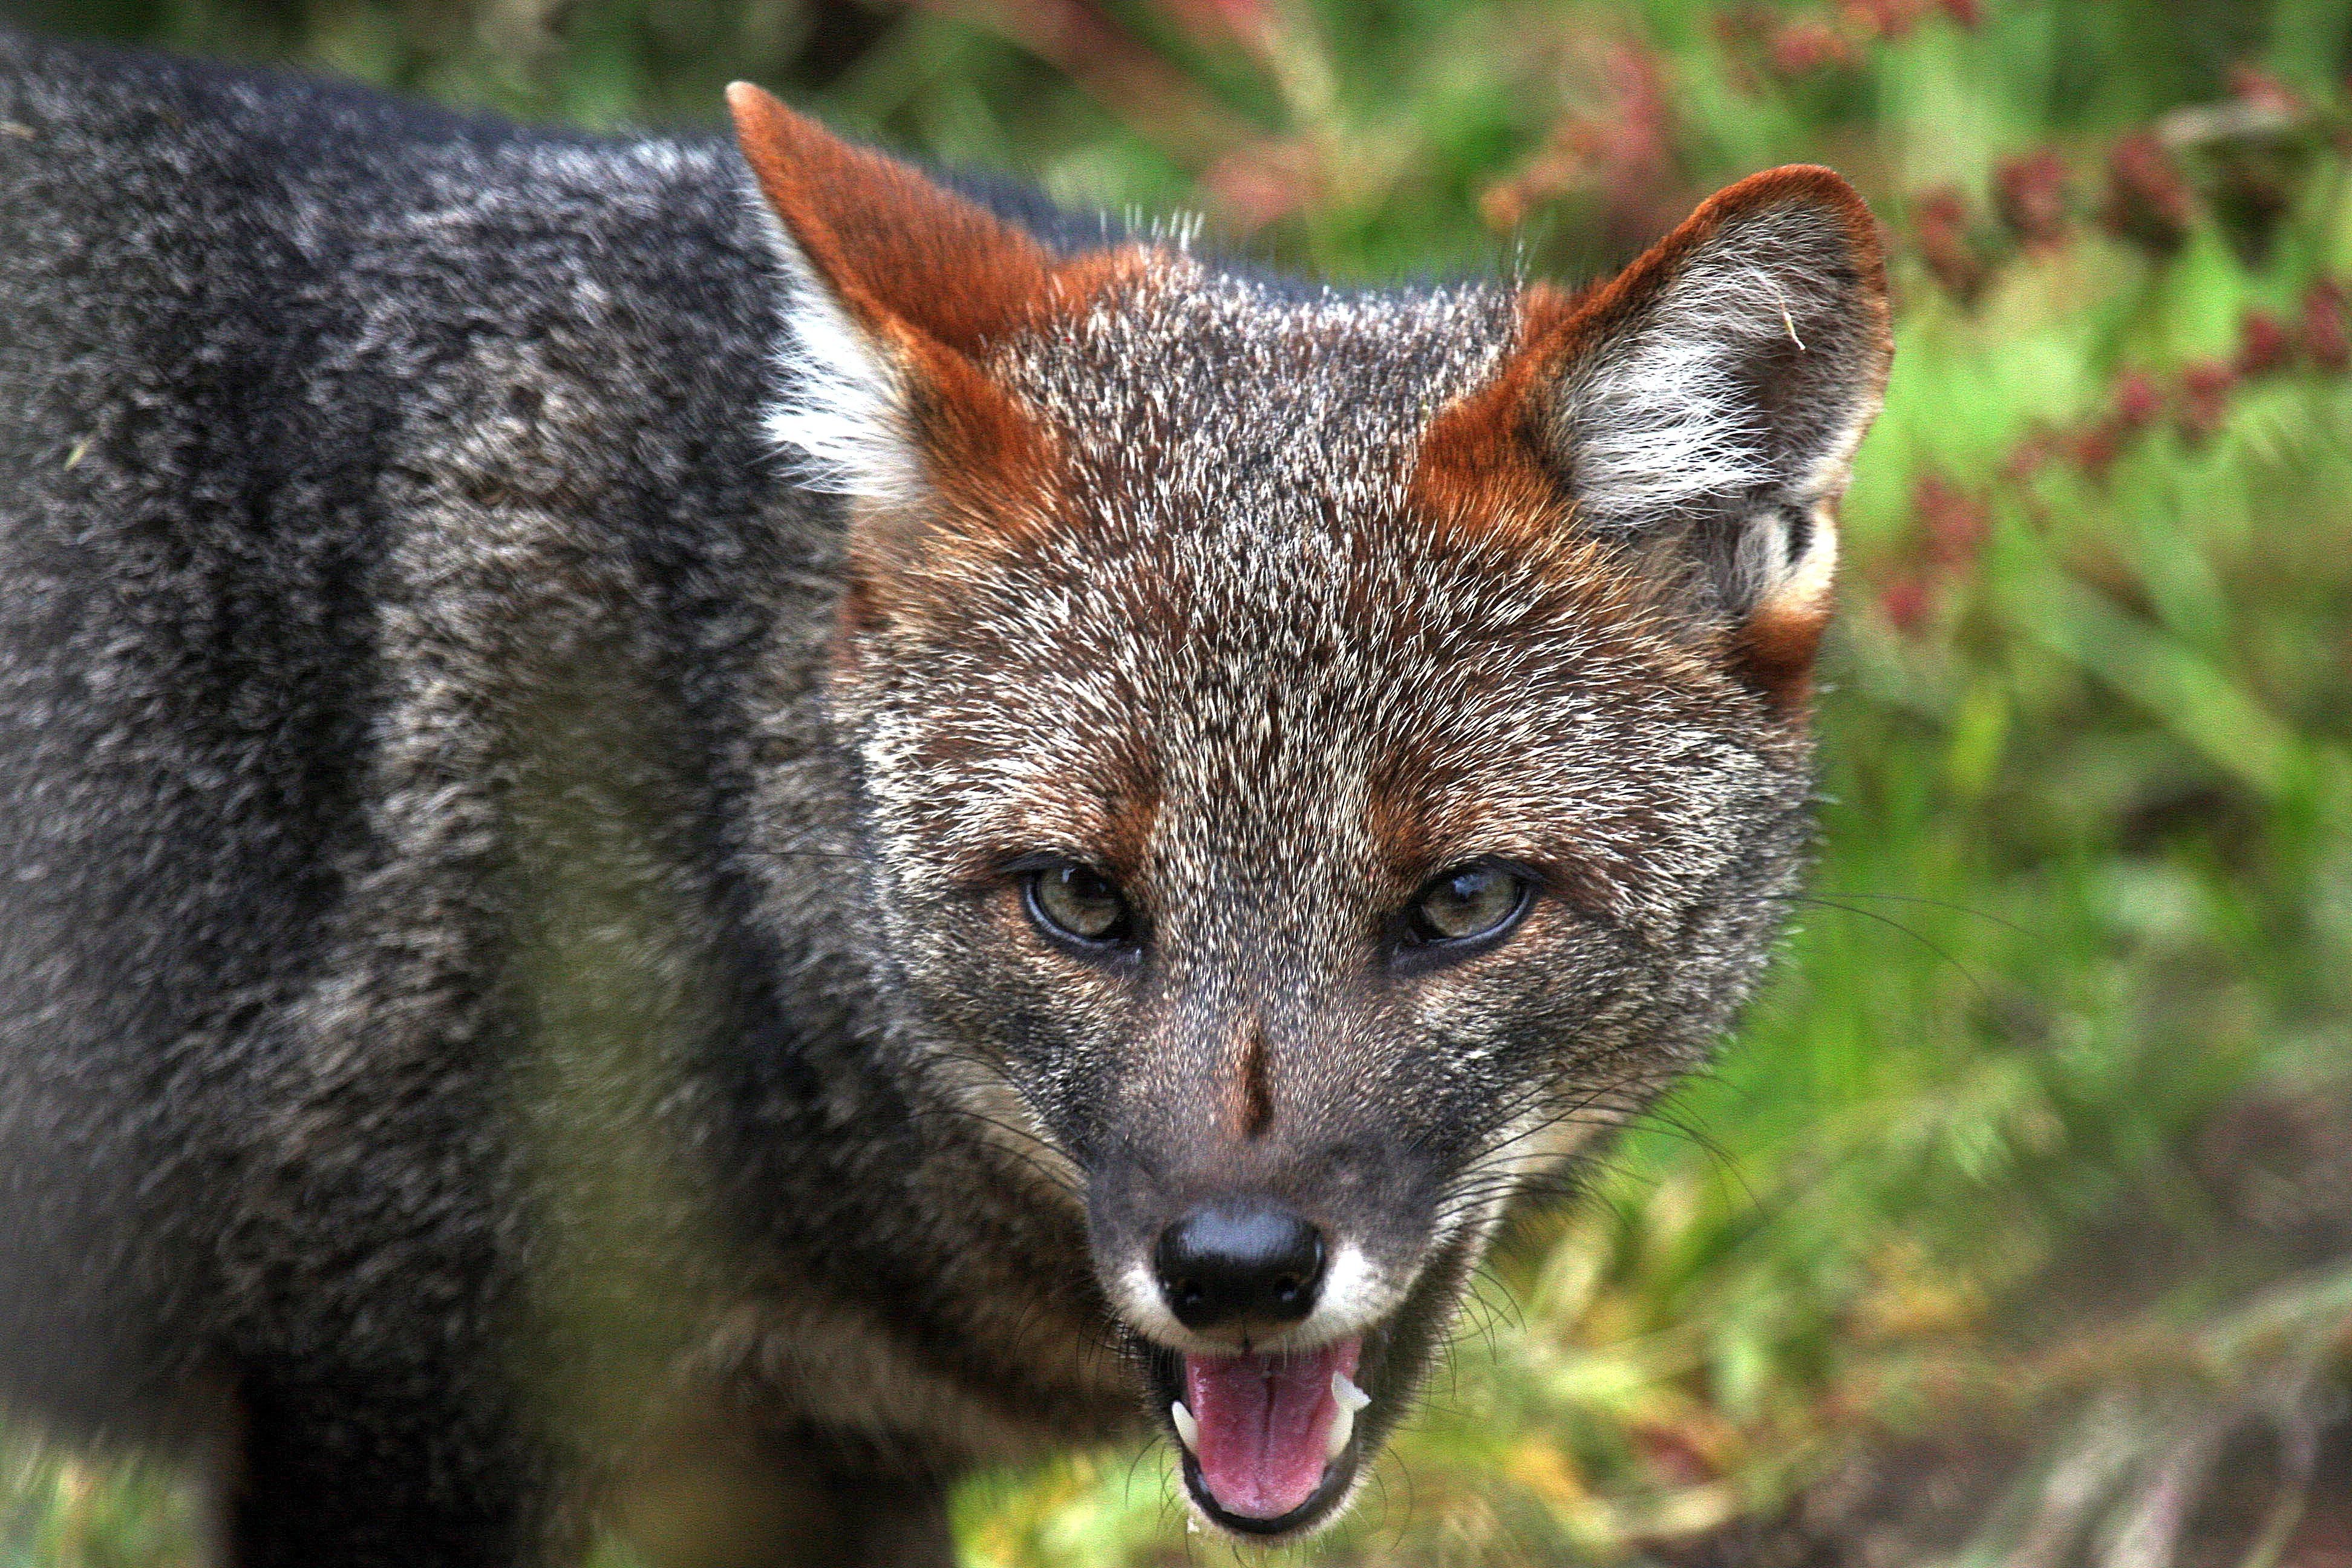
<point x="2017" y="1228"/>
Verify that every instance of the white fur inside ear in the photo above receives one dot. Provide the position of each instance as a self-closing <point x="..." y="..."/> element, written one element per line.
<point x="840" y="412"/>
<point x="1664" y="420"/>
<point x="1774" y="578"/>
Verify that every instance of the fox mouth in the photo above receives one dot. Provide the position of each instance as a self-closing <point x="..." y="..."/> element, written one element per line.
<point x="1269" y="1440"/>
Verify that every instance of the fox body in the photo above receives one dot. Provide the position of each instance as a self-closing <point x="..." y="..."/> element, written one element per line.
<point x="705" y="829"/>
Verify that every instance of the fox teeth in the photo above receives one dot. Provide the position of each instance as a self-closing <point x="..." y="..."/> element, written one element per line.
<point x="1349" y="1399"/>
<point x="1343" y="1426"/>
<point x="1187" y="1429"/>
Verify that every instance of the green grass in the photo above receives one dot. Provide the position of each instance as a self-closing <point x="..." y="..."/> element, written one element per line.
<point x="2084" y="903"/>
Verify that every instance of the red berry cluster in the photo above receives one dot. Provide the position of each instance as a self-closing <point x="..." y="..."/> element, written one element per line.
<point x="1952" y="520"/>
<point x="1953" y="523"/>
<point x="2197" y="399"/>
<point x="2251" y="152"/>
<point x="2145" y="200"/>
<point x="1793" y="47"/>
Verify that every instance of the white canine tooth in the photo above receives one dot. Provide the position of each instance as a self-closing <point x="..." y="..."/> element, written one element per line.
<point x="1343" y="1426"/>
<point x="1349" y="1399"/>
<point x="1187" y="1429"/>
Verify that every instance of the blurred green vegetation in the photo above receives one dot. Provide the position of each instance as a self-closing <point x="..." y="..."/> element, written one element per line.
<point x="2017" y="1228"/>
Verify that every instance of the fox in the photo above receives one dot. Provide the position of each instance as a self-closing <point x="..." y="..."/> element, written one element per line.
<point x="697" y="832"/>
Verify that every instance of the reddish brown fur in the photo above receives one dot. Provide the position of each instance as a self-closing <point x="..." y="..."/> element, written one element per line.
<point x="1482" y="468"/>
<point x="1775" y="650"/>
<point x="1483" y="456"/>
<point x="1252" y="1101"/>
<point x="1623" y="298"/>
<point x="895" y="247"/>
<point x="1130" y="810"/>
<point x="993" y="468"/>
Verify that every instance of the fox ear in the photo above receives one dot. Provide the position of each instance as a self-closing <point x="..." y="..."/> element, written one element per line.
<point x="902" y="288"/>
<point x="1720" y="384"/>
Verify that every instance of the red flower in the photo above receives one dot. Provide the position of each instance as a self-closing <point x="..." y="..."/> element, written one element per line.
<point x="2205" y="398"/>
<point x="1622" y="148"/>
<point x="2253" y="86"/>
<point x="2324" y="336"/>
<point x="1258" y="183"/>
<point x="2263" y="345"/>
<point x="2138" y="401"/>
<point x="1808" y="44"/>
<point x="2148" y="202"/>
<point x="1882" y="18"/>
<point x="1941" y="224"/>
<point x="2031" y="194"/>
<point x="2096" y="448"/>
<point x="1907" y="603"/>
<point x="2030" y="456"/>
<point x="1954" y="519"/>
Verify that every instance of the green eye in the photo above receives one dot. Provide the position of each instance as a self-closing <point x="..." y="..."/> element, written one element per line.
<point x="1078" y="904"/>
<point x="1480" y="899"/>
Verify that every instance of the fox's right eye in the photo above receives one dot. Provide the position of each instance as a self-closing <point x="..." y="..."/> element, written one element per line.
<point x="1466" y="908"/>
<point x="1078" y="904"/>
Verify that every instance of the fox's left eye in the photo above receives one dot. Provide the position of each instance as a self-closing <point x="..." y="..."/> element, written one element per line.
<point x="1470" y="903"/>
<point x="1079" y="905"/>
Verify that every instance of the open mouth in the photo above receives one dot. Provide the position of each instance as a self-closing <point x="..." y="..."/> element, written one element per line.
<point x="1268" y="1439"/>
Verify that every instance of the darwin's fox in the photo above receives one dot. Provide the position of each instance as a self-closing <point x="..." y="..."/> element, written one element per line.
<point x="701" y="831"/>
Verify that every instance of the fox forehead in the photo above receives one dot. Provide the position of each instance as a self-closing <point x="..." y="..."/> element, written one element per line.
<point x="1241" y="640"/>
<point x="1349" y="752"/>
<point x="1223" y="670"/>
<point x="1249" y="408"/>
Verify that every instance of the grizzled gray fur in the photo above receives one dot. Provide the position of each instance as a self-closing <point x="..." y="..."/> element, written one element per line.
<point x="561" y="963"/>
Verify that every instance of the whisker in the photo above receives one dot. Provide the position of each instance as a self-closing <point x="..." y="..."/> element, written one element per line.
<point x="1986" y="915"/>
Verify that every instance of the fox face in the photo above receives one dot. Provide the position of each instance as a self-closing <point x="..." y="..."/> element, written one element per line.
<point x="1322" y="755"/>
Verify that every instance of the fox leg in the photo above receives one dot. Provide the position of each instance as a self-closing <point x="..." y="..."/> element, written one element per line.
<point x="383" y="1469"/>
<point x="874" y="1522"/>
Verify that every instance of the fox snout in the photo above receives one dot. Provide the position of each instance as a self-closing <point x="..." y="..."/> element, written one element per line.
<point x="1216" y="1244"/>
<point x="1262" y="1319"/>
<point x="1240" y="1265"/>
<point x="1252" y="1271"/>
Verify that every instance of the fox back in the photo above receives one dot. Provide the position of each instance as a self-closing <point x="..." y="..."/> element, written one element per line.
<point x="687" y="818"/>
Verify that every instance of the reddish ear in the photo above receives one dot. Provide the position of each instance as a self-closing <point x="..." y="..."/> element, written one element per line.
<point x="1730" y="362"/>
<point x="1714" y="393"/>
<point x="896" y="249"/>
<point x="900" y="292"/>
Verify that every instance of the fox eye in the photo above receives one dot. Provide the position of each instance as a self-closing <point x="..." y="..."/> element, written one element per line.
<point x="1079" y="904"/>
<point x="1468" y="904"/>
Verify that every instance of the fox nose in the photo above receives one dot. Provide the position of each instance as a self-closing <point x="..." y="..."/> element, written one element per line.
<point x="1251" y="1262"/>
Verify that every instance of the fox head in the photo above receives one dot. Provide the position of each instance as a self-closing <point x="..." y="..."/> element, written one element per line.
<point x="1323" y="754"/>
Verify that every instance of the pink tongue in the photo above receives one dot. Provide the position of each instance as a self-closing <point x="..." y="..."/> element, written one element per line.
<point x="1262" y="1422"/>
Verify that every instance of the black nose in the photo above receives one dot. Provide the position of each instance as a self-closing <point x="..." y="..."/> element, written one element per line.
<point x="1249" y="1261"/>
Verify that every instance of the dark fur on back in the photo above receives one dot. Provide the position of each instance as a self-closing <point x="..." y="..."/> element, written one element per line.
<point x="372" y="479"/>
<point x="512" y="999"/>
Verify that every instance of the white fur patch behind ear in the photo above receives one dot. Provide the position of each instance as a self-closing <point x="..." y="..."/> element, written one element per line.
<point x="1773" y="577"/>
<point x="1804" y="586"/>
<point x="840" y="412"/>
<point x="1665" y="420"/>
